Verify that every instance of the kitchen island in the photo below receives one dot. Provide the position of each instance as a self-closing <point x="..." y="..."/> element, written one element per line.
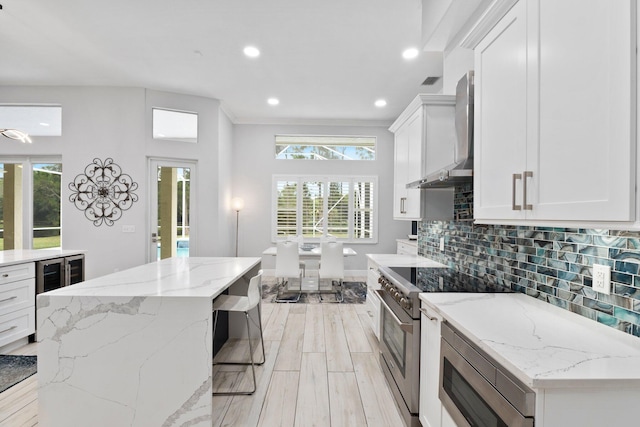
<point x="134" y="347"/>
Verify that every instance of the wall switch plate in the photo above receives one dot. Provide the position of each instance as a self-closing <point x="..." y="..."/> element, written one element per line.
<point x="601" y="278"/>
<point x="442" y="244"/>
<point x="128" y="228"/>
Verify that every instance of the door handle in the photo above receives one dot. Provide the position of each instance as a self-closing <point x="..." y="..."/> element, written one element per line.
<point x="402" y="200"/>
<point x="423" y="311"/>
<point x="514" y="178"/>
<point x="407" y="327"/>
<point x="527" y="174"/>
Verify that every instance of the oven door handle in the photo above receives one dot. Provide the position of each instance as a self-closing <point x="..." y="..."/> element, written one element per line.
<point x="407" y="327"/>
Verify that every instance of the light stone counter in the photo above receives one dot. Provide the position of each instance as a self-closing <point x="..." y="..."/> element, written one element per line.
<point x="19" y="256"/>
<point x="133" y="348"/>
<point x="395" y="260"/>
<point x="543" y="345"/>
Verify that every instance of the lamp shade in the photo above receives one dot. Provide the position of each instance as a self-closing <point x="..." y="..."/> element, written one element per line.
<point x="237" y="204"/>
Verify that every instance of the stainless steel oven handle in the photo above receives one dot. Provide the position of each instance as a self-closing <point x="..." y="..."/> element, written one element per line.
<point x="407" y="327"/>
<point x="423" y="311"/>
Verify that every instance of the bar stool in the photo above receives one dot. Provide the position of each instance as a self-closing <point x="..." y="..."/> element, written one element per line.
<point x="244" y="304"/>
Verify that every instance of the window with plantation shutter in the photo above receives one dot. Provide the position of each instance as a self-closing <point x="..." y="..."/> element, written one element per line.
<point x="286" y="208"/>
<point x="342" y="207"/>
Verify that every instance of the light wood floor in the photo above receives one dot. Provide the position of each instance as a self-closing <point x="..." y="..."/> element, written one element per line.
<point x="321" y="369"/>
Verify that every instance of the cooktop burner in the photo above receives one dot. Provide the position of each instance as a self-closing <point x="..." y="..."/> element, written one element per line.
<point x="445" y="280"/>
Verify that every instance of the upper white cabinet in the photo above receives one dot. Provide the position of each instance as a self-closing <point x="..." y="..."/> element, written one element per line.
<point x="555" y="106"/>
<point x="424" y="141"/>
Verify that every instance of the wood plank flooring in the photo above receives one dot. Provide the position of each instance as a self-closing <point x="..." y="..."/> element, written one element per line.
<point x="321" y="369"/>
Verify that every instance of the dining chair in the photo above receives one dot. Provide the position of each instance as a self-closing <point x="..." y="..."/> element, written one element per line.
<point x="287" y="267"/>
<point x="243" y="304"/>
<point x="332" y="267"/>
<point x="300" y="240"/>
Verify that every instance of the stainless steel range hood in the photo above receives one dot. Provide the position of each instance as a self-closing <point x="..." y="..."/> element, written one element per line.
<point x="462" y="169"/>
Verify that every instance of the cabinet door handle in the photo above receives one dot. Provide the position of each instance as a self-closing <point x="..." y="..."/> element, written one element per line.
<point x="514" y="178"/>
<point x="423" y="311"/>
<point x="402" y="200"/>
<point x="8" y="299"/>
<point x="527" y="174"/>
<point x="8" y="329"/>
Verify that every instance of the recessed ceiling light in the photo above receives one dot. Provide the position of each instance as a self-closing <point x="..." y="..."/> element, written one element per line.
<point x="251" y="51"/>
<point x="410" y="53"/>
<point x="273" y="101"/>
<point x="380" y="103"/>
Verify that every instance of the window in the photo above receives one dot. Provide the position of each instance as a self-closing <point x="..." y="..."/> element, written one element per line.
<point x="343" y="207"/>
<point x="309" y="147"/>
<point x="30" y="192"/>
<point x="175" y="125"/>
<point x="34" y="120"/>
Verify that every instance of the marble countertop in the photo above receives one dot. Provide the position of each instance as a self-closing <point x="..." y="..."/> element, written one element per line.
<point x="176" y="277"/>
<point x="396" y="260"/>
<point x="543" y="345"/>
<point x="18" y="256"/>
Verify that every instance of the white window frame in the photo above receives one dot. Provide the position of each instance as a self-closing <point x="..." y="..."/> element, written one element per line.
<point x="325" y="179"/>
<point x="27" y="163"/>
<point x="314" y="140"/>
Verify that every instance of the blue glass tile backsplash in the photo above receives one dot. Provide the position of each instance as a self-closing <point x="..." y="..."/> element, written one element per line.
<point x="551" y="264"/>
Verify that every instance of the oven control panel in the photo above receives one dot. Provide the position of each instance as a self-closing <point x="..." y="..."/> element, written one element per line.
<point x="391" y="289"/>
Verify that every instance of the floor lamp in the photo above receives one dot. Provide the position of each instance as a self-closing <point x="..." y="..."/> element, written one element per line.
<point x="237" y="204"/>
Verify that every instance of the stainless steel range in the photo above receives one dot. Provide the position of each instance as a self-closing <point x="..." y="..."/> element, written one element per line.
<point x="400" y="320"/>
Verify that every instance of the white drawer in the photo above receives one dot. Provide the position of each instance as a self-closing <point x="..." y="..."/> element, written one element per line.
<point x="372" y="280"/>
<point x="407" y="248"/>
<point x="17" y="295"/>
<point x="373" y="312"/>
<point x="12" y="273"/>
<point x="16" y="325"/>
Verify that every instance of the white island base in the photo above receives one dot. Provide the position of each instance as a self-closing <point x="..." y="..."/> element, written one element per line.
<point x="141" y="358"/>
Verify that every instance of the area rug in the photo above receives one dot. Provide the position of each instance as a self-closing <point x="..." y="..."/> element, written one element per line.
<point x="353" y="293"/>
<point x="14" y="369"/>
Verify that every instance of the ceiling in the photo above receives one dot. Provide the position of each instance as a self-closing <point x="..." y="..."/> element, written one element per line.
<point x="326" y="61"/>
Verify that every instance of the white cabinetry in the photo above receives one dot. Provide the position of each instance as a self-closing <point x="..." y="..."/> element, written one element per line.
<point x="424" y="141"/>
<point x="406" y="247"/>
<point x="372" y="300"/>
<point x="430" y="405"/>
<point x="17" y="302"/>
<point x="555" y="112"/>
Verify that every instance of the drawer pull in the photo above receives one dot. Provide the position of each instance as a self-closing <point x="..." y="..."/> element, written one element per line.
<point x="433" y="319"/>
<point x="7" y="330"/>
<point x="9" y="299"/>
<point x="5" y="275"/>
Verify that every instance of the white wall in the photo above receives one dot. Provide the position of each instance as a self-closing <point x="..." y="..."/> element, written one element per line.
<point x="101" y="122"/>
<point x="455" y="65"/>
<point x="254" y="165"/>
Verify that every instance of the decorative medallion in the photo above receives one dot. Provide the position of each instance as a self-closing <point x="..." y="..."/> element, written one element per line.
<point x="103" y="192"/>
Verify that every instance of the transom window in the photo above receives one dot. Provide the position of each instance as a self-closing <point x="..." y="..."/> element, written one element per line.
<point x="175" y="125"/>
<point x="344" y="207"/>
<point x="310" y="147"/>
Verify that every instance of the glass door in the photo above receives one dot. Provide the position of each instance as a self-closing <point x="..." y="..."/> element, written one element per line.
<point x="172" y="226"/>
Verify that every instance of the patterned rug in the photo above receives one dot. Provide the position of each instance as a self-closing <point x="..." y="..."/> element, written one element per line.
<point x="14" y="369"/>
<point x="353" y="293"/>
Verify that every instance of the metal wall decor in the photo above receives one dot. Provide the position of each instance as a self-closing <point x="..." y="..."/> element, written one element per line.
<point x="103" y="192"/>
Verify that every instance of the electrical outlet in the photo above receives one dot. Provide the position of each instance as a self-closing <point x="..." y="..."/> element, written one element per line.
<point x="442" y="244"/>
<point x="602" y="278"/>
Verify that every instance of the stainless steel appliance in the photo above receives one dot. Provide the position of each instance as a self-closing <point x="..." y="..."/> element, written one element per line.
<point x="400" y="325"/>
<point x="461" y="170"/>
<point x="477" y="391"/>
